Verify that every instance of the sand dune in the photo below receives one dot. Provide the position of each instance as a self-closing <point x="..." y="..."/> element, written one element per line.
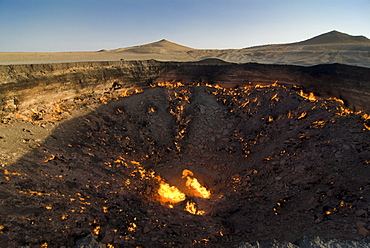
<point x="332" y="47"/>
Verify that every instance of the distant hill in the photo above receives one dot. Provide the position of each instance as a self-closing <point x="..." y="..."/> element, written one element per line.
<point x="163" y="46"/>
<point x="327" y="48"/>
<point x="334" y="37"/>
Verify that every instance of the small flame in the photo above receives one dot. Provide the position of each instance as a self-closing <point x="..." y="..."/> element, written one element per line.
<point x="97" y="230"/>
<point x="170" y="193"/>
<point x="192" y="208"/>
<point x="169" y="85"/>
<point x="302" y="115"/>
<point x="366" y="117"/>
<point x="310" y="96"/>
<point x="132" y="227"/>
<point x="192" y="182"/>
<point x="336" y="99"/>
<point x="52" y="157"/>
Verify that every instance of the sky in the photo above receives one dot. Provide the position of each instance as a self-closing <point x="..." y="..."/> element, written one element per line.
<point x="92" y="25"/>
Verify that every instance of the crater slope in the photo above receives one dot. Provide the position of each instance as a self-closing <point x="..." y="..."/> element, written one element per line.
<point x="273" y="158"/>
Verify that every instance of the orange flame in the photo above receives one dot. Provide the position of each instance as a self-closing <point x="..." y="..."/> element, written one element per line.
<point x="192" y="182"/>
<point x="366" y="117"/>
<point x="336" y="99"/>
<point x="310" y="96"/>
<point x="192" y="208"/>
<point x="170" y="85"/>
<point x="170" y="193"/>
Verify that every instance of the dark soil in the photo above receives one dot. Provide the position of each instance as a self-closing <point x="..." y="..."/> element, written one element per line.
<point x="278" y="166"/>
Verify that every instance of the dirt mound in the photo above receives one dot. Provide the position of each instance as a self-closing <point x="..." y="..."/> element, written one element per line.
<point x="272" y="162"/>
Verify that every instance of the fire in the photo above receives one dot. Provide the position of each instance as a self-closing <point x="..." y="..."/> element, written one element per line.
<point x="97" y="230"/>
<point x="52" y="157"/>
<point x="170" y="85"/>
<point x="170" y="193"/>
<point x="132" y="227"/>
<point x="192" y="208"/>
<point x="192" y="182"/>
<point x="310" y="96"/>
<point x="366" y="117"/>
<point x="336" y="99"/>
<point x="302" y="115"/>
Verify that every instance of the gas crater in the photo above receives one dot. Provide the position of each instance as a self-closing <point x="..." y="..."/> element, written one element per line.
<point x="189" y="164"/>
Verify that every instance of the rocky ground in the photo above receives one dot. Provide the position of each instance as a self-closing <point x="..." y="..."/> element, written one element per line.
<point x="279" y="164"/>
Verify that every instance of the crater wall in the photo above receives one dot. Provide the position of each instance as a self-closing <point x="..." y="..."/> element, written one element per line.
<point x="26" y="86"/>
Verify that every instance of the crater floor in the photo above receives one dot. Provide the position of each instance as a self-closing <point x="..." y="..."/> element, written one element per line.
<point x="278" y="163"/>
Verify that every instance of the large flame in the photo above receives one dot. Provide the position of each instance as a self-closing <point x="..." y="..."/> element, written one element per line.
<point x="170" y="193"/>
<point x="192" y="182"/>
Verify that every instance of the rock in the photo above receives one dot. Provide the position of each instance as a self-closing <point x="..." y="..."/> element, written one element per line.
<point x="268" y="244"/>
<point x="361" y="213"/>
<point x="190" y="146"/>
<point x="317" y="242"/>
<point x="345" y="147"/>
<point x="360" y="224"/>
<point x="146" y="229"/>
<point x="300" y="168"/>
<point x="154" y="239"/>
<point x="89" y="242"/>
<point x="363" y="231"/>
<point x="319" y="219"/>
<point x="338" y="155"/>
<point x="312" y="201"/>
<point x="202" y="109"/>
<point x="5" y="240"/>
<point x="107" y="239"/>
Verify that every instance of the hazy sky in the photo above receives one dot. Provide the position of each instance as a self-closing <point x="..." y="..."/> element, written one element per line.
<point x="86" y="25"/>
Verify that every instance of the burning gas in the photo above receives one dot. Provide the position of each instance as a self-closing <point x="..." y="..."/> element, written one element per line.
<point x="170" y="193"/>
<point x="192" y="208"/>
<point x="310" y="96"/>
<point x="193" y="183"/>
<point x="366" y="117"/>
